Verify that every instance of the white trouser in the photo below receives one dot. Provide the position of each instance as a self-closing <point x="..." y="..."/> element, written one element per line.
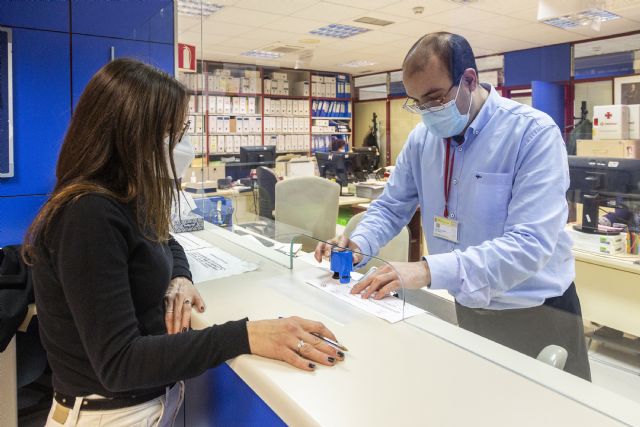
<point x="159" y="412"/>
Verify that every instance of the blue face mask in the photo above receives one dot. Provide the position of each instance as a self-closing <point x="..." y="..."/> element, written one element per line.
<point x="447" y="121"/>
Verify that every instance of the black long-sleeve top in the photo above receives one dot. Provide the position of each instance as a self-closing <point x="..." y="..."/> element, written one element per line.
<point x="99" y="287"/>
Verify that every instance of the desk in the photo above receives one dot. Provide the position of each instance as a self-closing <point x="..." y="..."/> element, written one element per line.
<point x="609" y="290"/>
<point x="394" y="373"/>
<point x="415" y="232"/>
<point x="351" y="200"/>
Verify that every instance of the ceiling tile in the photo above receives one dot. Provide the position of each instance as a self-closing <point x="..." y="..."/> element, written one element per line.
<point x="405" y="7"/>
<point x="294" y="25"/>
<point x="212" y="27"/>
<point x="282" y="7"/>
<point x="378" y="37"/>
<point x="364" y="4"/>
<point x="268" y="36"/>
<point x="505" y="7"/>
<point x="499" y="22"/>
<point x="529" y="14"/>
<point x="608" y="28"/>
<point x="330" y="12"/>
<point x="235" y="15"/>
<point x="413" y="27"/>
<point x="460" y="16"/>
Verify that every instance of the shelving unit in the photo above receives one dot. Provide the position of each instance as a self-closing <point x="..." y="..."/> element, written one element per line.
<point x="274" y="106"/>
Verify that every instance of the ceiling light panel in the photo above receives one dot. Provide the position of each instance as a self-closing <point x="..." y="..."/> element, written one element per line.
<point x="198" y="7"/>
<point x="587" y="17"/>
<point x="338" y="31"/>
<point x="261" y="54"/>
<point x="358" y="64"/>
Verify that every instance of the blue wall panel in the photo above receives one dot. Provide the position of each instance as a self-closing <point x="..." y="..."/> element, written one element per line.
<point x="219" y="398"/>
<point x="549" y="63"/>
<point x="43" y="15"/>
<point x="41" y="109"/>
<point x="127" y="19"/>
<point x="549" y="97"/>
<point x="90" y="53"/>
<point x="16" y="214"/>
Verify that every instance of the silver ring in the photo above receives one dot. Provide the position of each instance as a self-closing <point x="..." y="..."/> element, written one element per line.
<point x="299" y="346"/>
<point x="187" y="301"/>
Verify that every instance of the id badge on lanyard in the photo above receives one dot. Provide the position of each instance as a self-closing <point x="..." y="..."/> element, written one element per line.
<point x="443" y="226"/>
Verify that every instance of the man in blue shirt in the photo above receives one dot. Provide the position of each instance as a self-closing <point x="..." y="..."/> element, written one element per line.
<point x="490" y="176"/>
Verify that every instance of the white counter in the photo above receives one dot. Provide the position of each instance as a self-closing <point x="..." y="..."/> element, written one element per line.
<point x="421" y="372"/>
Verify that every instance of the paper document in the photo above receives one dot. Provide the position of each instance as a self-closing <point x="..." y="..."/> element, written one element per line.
<point x="388" y="308"/>
<point x="207" y="262"/>
<point x="190" y="242"/>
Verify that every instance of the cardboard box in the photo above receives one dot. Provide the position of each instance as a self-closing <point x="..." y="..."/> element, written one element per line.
<point x="634" y="121"/>
<point x="621" y="149"/>
<point x="611" y="122"/>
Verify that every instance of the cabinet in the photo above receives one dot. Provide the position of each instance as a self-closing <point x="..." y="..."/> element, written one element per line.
<point x="17" y="214"/>
<point x="41" y="109"/>
<point x="90" y="53"/>
<point x="42" y="15"/>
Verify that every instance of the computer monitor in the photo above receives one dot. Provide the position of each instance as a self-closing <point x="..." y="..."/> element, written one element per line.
<point x="367" y="159"/>
<point x="596" y="181"/>
<point x="337" y="165"/>
<point x="260" y="155"/>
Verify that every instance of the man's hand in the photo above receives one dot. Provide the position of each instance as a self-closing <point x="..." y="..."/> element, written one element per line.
<point x="323" y="250"/>
<point x="410" y="275"/>
<point x="180" y="296"/>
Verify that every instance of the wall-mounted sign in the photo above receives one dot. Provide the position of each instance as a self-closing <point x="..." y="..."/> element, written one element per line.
<point x="186" y="57"/>
<point x="6" y="105"/>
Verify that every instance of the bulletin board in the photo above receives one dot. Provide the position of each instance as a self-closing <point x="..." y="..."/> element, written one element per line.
<point x="6" y="105"/>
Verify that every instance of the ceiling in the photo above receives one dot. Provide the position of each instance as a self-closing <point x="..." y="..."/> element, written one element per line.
<point x="491" y="26"/>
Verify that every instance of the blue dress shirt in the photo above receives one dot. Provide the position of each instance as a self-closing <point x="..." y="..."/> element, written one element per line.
<point x="508" y="192"/>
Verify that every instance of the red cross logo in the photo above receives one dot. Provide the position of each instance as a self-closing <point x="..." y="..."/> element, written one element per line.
<point x="608" y="115"/>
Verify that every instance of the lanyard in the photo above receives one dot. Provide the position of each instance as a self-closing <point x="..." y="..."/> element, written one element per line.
<point x="448" y="173"/>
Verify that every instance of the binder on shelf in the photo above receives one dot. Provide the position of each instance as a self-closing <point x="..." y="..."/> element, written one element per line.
<point x="242" y="106"/>
<point x="219" y="124"/>
<point x="251" y="105"/>
<point x="226" y="124"/>
<point x="219" y="105"/>
<point x="228" y="144"/>
<point x="213" y="144"/>
<point x="199" y="124"/>
<point x="211" y="104"/>
<point x="227" y="105"/>
<point x="258" y="124"/>
<point x="213" y="123"/>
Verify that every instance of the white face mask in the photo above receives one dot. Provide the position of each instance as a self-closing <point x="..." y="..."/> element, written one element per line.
<point x="183" y="155"/>
<point x="448" y="121"/>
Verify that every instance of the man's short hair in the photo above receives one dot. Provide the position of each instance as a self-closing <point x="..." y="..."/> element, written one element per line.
<point x="453" y="50"/>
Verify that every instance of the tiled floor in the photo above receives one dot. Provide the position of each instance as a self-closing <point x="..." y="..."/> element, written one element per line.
<point x="615" y="370"/>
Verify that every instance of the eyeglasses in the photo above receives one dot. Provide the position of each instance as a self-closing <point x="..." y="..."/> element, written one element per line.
<point x="184" y="130"/>
<point x="412" y="106"/>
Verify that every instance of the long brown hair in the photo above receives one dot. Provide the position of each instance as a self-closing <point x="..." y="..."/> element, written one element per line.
<point x="114" y="147"/>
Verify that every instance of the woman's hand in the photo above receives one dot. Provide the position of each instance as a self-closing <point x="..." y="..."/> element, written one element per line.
<point x="291" y="341"/>
<point x="180" y="296"/>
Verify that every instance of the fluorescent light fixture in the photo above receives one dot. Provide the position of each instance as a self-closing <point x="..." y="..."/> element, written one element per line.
<point x="358" y="63"/>
<point x="198" y="7"/>
<point x="338" y="31"/>
<point x="373" y="21"/>
<point x="264" y="54"/>
<point x="591" y="17"/>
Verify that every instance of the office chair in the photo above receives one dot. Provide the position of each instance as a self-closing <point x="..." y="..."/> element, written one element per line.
<point x="306" y="205"/>
<point x="397" y="250"/>
<point x="267" y="180"/>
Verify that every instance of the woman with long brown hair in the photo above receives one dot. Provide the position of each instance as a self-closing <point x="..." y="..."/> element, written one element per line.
<point x="103" y="264"/>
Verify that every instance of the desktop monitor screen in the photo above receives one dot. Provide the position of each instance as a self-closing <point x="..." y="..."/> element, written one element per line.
<point x="336" y="165"/>
<point x="366" y="159"/>
<point x="606" y="176"/>
<point x="260" y="155"/>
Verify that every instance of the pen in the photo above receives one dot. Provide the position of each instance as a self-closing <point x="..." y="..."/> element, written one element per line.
<point x="327" y="340"/>
<point x="330" y="342"/>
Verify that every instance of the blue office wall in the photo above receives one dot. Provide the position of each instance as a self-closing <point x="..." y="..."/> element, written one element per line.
<point x="41" y="109"/>
<point x="149" y="20"/>
<point x="45" y="40"/>
<point x="549" y="97"/>
<point x="548" y="63"/>
<point x="16" y="215"/>
<point x="41" y="15"/>
<point x="90" y="53"/>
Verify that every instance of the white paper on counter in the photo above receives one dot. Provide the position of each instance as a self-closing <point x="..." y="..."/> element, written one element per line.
<point x="388" y="308"/>
<point x="207" y="262"/>
<point x="213" y="263"/>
